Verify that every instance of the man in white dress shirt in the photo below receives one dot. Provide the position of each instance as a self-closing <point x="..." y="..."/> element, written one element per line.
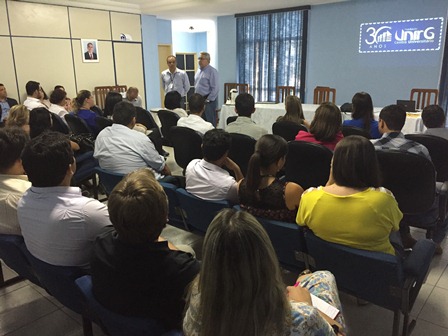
<point x="194" y="119"/>
<point x="58" y="224"/>
<point x="35" y="93"/>
<point x="174" y="79"/>
<point x="120" y="149"/>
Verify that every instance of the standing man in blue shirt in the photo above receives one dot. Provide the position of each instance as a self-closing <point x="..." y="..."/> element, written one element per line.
<point x="206" y="83"/>
<point x="174" y="79"/>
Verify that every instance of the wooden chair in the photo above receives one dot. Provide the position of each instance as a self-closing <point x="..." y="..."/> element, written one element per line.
<point x="424" y="97"/>
<point x="322" y="94"/>
<point x="239" y="87"/>
<point x="283" y="91"/>
<point x="101" y="92"/>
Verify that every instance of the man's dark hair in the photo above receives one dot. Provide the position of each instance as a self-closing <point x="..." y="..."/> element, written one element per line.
<point x="57" y="96"/>
<point x="40" y="121"/>
<point x="12" y="142"/>
<point x="172" y="100"/>
<point x="123" y="113"/>
<point x="244" y="104"/>
<point x="1" y="84"/>
<point x="31" y="86"/>
<point x="112" y="99"/>
<point x="433" y="116"/>
<point x="46" y="159"/>
<point x="59" y="87"/>
<point x="215" y="144"/>
<point x="196" y="103"/>
<point x="394" y="116"/>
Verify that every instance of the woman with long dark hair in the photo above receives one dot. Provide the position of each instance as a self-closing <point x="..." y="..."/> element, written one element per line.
<point x="362" y="114"/>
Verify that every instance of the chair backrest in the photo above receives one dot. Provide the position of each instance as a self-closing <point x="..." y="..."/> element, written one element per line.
<point x="101" y="93"/>
<point x="175" y="215"/>
<point x="59" y="281"/>
<point x="108" y="179"/>
<point x="288" y="242"/>
<point x="231" y="119"/>
<point x="116" y="324"/>
<point x="144" y="117"/>
<point x="368" y="275"/>
<point x="422" y="97"/>
<point x="58" y="124"/>
<point x="410" y="177"/>
<point x="308" y="164"/>
<point x="239" y="87"/>
<point x="242" y="148"/>
<point x="322" y="94"/>
<point x="168" y="119"/>
<point x="287" y="129"/>
<point x="438" y="150"/>
<point x="282" y="92"/>
<point x="11" y="252"/>
<point x="199" y="213"/>
<point x="102" y="123"/>
<point x="77" y="125"/>
<point x="187" y="145"/>
<point x="353" y="130"/>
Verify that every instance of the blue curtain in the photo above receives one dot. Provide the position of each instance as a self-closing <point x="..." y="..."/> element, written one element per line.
<point x="271" y="49"/>
<point x="443" y="89"/>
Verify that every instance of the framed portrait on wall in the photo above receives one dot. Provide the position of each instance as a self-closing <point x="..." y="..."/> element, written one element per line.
<point x="90" y="52"/>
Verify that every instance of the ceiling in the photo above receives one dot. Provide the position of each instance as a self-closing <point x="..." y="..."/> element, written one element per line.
<point x="187" y="9"/>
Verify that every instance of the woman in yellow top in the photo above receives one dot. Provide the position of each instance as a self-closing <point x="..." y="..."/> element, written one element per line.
<point x="352" y="209"/>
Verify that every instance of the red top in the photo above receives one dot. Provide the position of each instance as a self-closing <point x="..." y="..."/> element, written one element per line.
<point x="305" y="136"/>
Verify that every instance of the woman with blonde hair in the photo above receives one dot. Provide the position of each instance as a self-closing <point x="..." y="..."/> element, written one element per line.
<point x="294" y="111"/>
<point x="240" y="290"/>
<point x="19" y="116"/>
<point x="325" y="128"/>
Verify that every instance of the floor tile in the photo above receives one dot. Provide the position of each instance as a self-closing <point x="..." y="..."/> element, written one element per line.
<point x="435" y="309"/>
<point x="436" y="269"/>
<point x="443" y="280"/>
<point x="76" y="317"/>
<point x="422" y="297"/>
<point x="424" y="328"/>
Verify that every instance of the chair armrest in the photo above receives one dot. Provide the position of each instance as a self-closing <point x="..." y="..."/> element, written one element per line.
<point x="442" y="188"/>
<point x="419" y="258"/>
<point x="442" y="191"/>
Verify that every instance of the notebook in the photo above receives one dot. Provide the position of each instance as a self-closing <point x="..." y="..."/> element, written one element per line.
<point x="409" y="105"/>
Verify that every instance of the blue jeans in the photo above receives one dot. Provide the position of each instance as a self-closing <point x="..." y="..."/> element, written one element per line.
<point x="210" y="112"/>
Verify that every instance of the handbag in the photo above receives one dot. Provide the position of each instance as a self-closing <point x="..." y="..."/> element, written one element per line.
<point x="86" y="142"/>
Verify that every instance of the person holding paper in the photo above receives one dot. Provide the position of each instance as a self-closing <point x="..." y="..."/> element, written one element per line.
<point x="240" y="290"/>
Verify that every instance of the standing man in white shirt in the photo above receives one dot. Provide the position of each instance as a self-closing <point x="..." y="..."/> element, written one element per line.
<point x="35" y="94"/>
<point x="174" y="79"/>
<point x="206" y="83"/>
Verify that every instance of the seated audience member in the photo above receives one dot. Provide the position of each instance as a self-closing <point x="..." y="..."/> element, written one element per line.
<point x="58" y="100"/>
<point x="135" y="272"/>
<point x="392" y="119"/>
<point x="68" y="102"/>
<point x="5" y="103"/>
<point x="294" y="111"/>
<point x="172" y="103"/>
<point x="362" y="115"/>
<point x="122" y="150"/>
<point x="34" y="95"/>
<point x="112" y="98"/>
<point x="133" y="97"/>
<point x="206" y="178"/>
<point x="83" y="104"/>
<point x="45" y="99"/>
<point x="244" y="107"/>
<point x="434" y="120"/>
<point x="353" y="184"/>
<point x="261" y="192"/>
<point x="13" y="181"/>
<point x="194" y="120"/>
<point x="325" y="129"/>
<point x="236" y="246"/>
<point x="59" y="225"/>
<point x="19" y="116"/>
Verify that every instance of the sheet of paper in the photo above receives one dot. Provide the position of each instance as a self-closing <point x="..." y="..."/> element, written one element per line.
<point x="324" y="307"/>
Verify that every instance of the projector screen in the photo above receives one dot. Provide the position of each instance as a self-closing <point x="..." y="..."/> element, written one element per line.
<point x="401" y="36"/>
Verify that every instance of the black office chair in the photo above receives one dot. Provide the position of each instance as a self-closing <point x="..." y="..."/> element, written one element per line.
<point x="352" y="130"/>
<point x="77" y="125"/>
<point x="242" y="148"/>
<point x="187" y="145"/>
<point x="307" y="164"/>
<point x="168" y="119"/>
<point x="144" y="117"/>
<point x="58" y="124"/>
<point x="287" y="129"/>
<point x="231" y="119"/>
<point x="102" y="123"/>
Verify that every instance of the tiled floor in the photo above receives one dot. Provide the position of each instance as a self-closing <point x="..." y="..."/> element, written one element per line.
<point x="27" y="310"/>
